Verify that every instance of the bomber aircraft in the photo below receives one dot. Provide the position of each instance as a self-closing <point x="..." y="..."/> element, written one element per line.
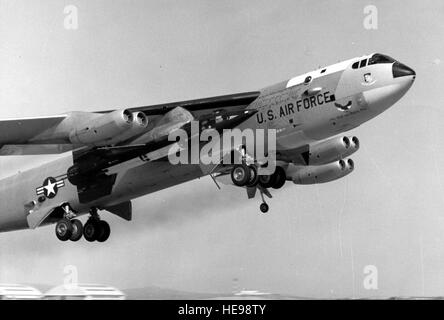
<point x="109" y="158"/>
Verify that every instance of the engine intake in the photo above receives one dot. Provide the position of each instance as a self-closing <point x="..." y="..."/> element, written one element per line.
<point x="332" y="150"/>
<point x="139" y="125"/>
<point x="319" y="174"/>
<point x="109" y="128"/>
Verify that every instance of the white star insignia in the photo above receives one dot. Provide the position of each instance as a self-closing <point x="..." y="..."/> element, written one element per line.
<point x="50" y="187"/>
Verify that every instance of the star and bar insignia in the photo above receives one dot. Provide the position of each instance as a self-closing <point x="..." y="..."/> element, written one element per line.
<point x="50" y="187"/>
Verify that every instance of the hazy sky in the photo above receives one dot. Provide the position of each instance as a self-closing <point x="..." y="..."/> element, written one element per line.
<point x="316" y="240"/>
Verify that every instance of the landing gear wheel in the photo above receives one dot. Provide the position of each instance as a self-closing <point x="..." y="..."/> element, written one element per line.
<point x="240" y="175"/>
<point x="90" y="230"/>
<point x="267" y="181"/>
<point x="77" y="232"/>
<point x="103" y="231"/>
<point x="264" y="207"/>
<point x="280" y="178"/>
<point x="254" y="177"/>
<point x="64" y="229"/>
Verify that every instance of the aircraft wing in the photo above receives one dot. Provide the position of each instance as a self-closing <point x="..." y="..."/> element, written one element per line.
<point x="225" y="102"/>
<point x="50" y="135"/>
<point x="20" y="131"/>
<point x="15" y="135"/>
<point x="34" y="149"/>
<point x="95" y="170"/>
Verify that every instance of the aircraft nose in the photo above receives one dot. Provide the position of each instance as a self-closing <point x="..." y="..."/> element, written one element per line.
<point x="401" y="70"/>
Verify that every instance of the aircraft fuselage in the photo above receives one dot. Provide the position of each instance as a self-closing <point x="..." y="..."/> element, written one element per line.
<point x="305" y="109"/>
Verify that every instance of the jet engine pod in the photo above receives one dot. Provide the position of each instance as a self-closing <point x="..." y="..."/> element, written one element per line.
<point x="140" y="119"/>
<point x="332" y="150"/>
<point x="165" y="125"/>
<point x="355" y="143"/>
<point x="102" y="129"/>
<point x="319" y="174"/>
<point x="139" y="126"/>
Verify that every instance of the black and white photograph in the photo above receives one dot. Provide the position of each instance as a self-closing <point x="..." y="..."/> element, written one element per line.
<point x="236" y="150"/>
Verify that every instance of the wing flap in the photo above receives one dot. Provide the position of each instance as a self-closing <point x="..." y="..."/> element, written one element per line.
<point x="20" y="131"/>
<point x="34" y="149"/>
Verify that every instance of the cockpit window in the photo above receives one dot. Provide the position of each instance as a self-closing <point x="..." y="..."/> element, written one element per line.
<point x="380" y="58"/>
<point x="355" y="65"/>
<point x="307" y="80"/>
<point x="363" y="63"/>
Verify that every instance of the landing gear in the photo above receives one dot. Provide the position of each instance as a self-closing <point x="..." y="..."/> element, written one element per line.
<point x="104" y="231"/>
<point x="254" y="177"/>
<point x="240" y="175"/>
<point x="68" y="228"/>
<point x="243" y="175"/>
<point x="96" y="229"/>
<point x="73" y="229"/>
<point x="64" y="229"/>
<point x="279" y="178"/>
<point x="267" y="181"/>
<point x="90" y="230"/>
<point x="264" y="207"/>
<point x="275" y="180"/>
<point x="77" y="230"/>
